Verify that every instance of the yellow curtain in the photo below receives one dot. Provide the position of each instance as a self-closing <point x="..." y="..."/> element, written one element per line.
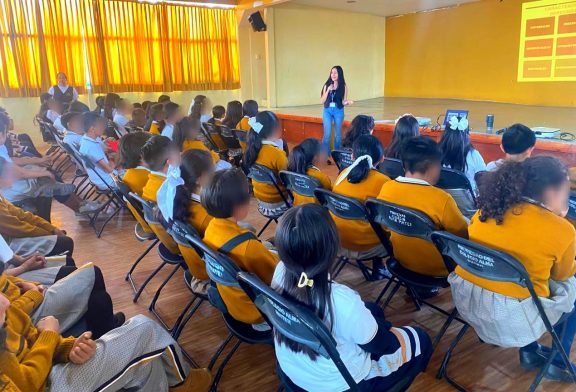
<point x="116" y="46"/>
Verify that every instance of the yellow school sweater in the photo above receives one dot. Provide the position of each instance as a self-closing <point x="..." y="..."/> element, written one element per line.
<point x="136" y="179"/>
<point x="17" y="223"/>
<point x="29" y="354"/>
<point x="250" y="256"/>
<point x="275" y="159"/>
<point x="198" y="145"/>
<point x="154" y="129"/>
<point x="325" y="183"/>
<point x="155" y="181"/>
<point x="359" y="235"/>
<point x="542" y="241"/>
<point x="199" y="219"/>
<point x="6" y="385"/>
<point x="243" y="124"/>
<point x="26" y="302"/>
<point x="414" y="253"/>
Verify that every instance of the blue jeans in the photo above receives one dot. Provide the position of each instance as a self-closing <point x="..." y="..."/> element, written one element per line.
<point x="329" y="115"/>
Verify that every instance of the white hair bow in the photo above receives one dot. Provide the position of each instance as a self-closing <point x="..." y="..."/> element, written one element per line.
<point x="167" y="192"/>
<point x="456" y="125"/>
<point x="256" y="126"/>
<point x="347" y="171"/>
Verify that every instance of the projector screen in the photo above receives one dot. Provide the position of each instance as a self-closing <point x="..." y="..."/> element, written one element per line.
<point x="548" y="41"/>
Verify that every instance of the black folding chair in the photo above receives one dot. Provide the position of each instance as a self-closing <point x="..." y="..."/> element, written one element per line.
<point x="212" y="137"/>
<point x="496" y="266"/>
<point x="263" y="175"/>
<point x="458" y="185"/>
<point x="230" y="139"/>
<point x="342" y="158"/>
<point x="572" y="206"/>
<point x="297" y="323"/>
<point x="410" y="223"/>
<point x="301" y="184"/>
<point x="223" y="271"/>
<point x="350" y="209"/>
<point x="391" y="167"/>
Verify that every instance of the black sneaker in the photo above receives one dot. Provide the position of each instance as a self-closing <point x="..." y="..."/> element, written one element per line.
<point x="119" y="319"/>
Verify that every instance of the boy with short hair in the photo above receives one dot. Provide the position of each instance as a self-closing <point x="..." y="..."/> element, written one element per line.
<point x="93" y="148"/>
<point x="173" y="114"/>
<point x="227" y="199"/>
<point x="159" y="153"/>
<point x="422" y="163"/>
<point x="72" y="121"/>
<point x="518" y="142"/>
<point x="218" y="114"/>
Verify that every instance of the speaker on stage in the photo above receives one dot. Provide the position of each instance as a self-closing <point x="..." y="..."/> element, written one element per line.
<point x="257" y="22"/>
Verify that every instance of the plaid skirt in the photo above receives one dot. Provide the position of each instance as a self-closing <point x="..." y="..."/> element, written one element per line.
<point x="506" y="321"/>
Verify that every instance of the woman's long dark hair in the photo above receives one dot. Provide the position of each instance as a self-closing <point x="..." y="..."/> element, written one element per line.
<point x="233" y="114"/>
<point x="199" y="102"/>
<point x="110" y="103"/>
<point x="270" y="123"/>
<point x="365" y="145"/>
<point x="360" y="125"/>
<point x="455" y="146"/>
<point x="502" y="189"/>
<point x="302" y="156"/>
<point x="194" y="164"/>
<point x="341" y="81"/>
<point x="307" y="241"/>
<point x="406" y="127"/>
<point x="182" y="130"/>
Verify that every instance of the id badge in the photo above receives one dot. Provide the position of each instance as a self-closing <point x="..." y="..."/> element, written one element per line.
<point x="332" y="104"/>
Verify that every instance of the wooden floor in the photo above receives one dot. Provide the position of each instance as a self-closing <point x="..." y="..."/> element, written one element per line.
<point x="505" y="114"/>
<point x="478" y="367"/>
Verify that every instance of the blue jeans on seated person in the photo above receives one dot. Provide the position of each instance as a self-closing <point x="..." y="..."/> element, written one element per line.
<point x="328" y="116"/>
<point x="566" y="336"/>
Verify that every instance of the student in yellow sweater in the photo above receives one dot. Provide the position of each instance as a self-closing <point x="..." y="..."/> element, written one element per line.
<point x="140" y="355"/>
<point x="262" y="149"/>
<point x="305" y="159"/>
<point x="421" y="159"/>
<point x="522" y="206"/>
<point x="186" y="136"/>
<point x="362" y="181"/>
<point x="227" y="199"/>
<point x="155" y="119"/>
<point x="249" y="110"/>
<point x="179" y="200"/>
<point x="159" y="153"/>
<point x="130" y="149"/>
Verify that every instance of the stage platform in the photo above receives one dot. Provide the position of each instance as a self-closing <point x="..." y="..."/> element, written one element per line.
<point x="301" y="122"/>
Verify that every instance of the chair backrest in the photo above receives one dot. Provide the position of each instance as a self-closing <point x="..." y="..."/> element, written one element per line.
<point x="300" y="184"/>
<point x="147" y="207"/>
<point x="229" y="137"/>
<point x="205" y="130"/>
<point x="294" y="322"/>
<point x="572" y="206"/>
<point x="342" y="158"/>
<point x="126" y="194"/>
<point x="265" y="175"/>
<point x="391" y="167"/>
<point x="402" y="220"/>
<point x="242" y="135"/>
<point x="74" y="155"/>
<point x="451" y="179"/>
<point x="342" y="206"/>
<point x="89" y="165"/>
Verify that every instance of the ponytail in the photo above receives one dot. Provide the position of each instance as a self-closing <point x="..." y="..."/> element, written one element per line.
<point x="365" y="145"/>
<point x="268" y="123"/>
<point x="195" y="163"/>
<point x="302" y="157"/>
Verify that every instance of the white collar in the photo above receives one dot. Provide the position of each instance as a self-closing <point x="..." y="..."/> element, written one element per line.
<point x="142" y="167"/>
<point x="158" y="173"/>
<point x="195" y="197"/>
<point x="270" y="143"/>
<point x="407" y="180"/>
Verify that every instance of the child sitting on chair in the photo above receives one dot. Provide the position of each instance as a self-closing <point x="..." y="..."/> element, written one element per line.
<point x="159" y="154"/>
<point x="173" y="114"/>
<point x="262" y="149"/>
<point x="156" y="118"/>
<point x="249" y="110"/>
<point x="93" y="149"/>
<point x="378" y="355"/>
<point x="218" y="114"/>
<point x="135" y="172"/>
<point x="72" y="121"/>
<point x="361" y="181"/>
<point x="304" y="160"/>
<point x="360" y="125"/>
<point x="518" y="142"/>
<point x="227" y="199"/>
<point x="406" y="128"/>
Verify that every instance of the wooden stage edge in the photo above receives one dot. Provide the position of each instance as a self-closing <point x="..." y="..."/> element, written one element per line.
<point x="297" y="128"/>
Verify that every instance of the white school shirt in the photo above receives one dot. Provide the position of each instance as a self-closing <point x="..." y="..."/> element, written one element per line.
<point x="94" y="150"/>
<point x="474" y="164"/>
<point x="73" y="139"/>
<point x="353" y="325"/>
<point x="121" y="119"/>
<point x="495" y="164"/>
<point x="63" y="90"/>
<point x="52" y="115"/>
<point x="4" y="153"/>
<point x="6" y="253"/>
<point x="168" y="130"/>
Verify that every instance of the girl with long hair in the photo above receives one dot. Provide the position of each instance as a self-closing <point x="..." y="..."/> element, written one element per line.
<point x="457" y="151"/>
<point x="305" y="159"/>
<point x="373" y="350"/>
<point x="406" y="127"/>
<point x="233" y="114"/>
<point x="334" y="96"/>
<point x="360" y="125"/>
<point x="200" y="108"/>
<point x="522" y="209"/>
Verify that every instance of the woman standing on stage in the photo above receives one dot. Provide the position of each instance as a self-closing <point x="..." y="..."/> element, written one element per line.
<point x="334" y="98"/>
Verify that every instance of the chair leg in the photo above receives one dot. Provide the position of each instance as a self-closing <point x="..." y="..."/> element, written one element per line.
<point x="265" y="227"/>
<point x="414" y="296"/>
<point x="227" y="358"/>
<point x="443" y="371"/>
<point x="116" y="211"/>
<point x="444" y="328"/>
<point x="152" y="306"/>
<point x="340" y="264"/>
<point x="219" y="351"/>
<point x="129" y="274"/>
<point x="384" y="290"/>
<point x="148" y="279"/>
<point x="185" y="316"/>
<point x="394" y="290"/>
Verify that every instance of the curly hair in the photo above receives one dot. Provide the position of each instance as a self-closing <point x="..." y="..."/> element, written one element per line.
<point x="513" y="182"/>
